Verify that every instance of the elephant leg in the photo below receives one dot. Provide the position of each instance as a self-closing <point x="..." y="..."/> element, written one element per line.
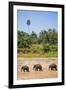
<point x="56" y="68"/>
<point x="51" y="68"/>
<point x="28" y="70"/>
<point x="40" y="69"/>
<point x="37" y="69"/>
<point x="24" y="70"/>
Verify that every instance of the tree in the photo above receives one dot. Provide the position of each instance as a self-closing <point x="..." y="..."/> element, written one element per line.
<point x="43" y="37"/>
<point x="28" y="23"/>
<point x="53" y="36"/>
<point x="23" y="40"/>
<point x="33" y="37"/>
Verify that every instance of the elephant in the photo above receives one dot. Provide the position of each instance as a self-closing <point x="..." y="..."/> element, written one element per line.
<point x="25" y="68"/>
<point x="37" y="67"/>
<point x="53" y="66"/>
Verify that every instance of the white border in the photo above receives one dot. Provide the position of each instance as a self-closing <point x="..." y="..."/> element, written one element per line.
<point x="18" y="82"/>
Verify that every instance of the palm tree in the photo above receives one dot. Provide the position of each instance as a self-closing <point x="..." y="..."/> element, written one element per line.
<point x="28" y="23"/>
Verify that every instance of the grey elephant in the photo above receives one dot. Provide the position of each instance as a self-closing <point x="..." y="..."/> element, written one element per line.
<point x="53" y="67"/>
<point x="37" y="67"/>
<point x="25" y="68"/>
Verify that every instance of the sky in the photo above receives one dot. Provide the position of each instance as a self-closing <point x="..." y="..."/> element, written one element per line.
<point x="40" y="20"/>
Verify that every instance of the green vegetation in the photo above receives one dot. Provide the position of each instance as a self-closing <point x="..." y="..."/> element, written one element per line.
<point x="33" y="45"/>
<point x="46" y="55"/>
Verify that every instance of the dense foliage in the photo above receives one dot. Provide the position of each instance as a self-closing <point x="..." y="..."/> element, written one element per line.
<point x="44" y="42"/>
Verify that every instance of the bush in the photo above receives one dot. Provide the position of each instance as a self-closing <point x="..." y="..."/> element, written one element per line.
<point x="53" y="48"/>
<point x="23" y="50"/>
<point x="36" y="48"/>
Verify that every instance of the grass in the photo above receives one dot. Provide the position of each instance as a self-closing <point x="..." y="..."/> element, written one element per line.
<point x="36" y="55"/>
<point x="36" y="51"/>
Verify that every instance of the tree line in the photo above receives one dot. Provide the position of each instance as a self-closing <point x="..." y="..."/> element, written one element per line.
<point x="46" y="38"/>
